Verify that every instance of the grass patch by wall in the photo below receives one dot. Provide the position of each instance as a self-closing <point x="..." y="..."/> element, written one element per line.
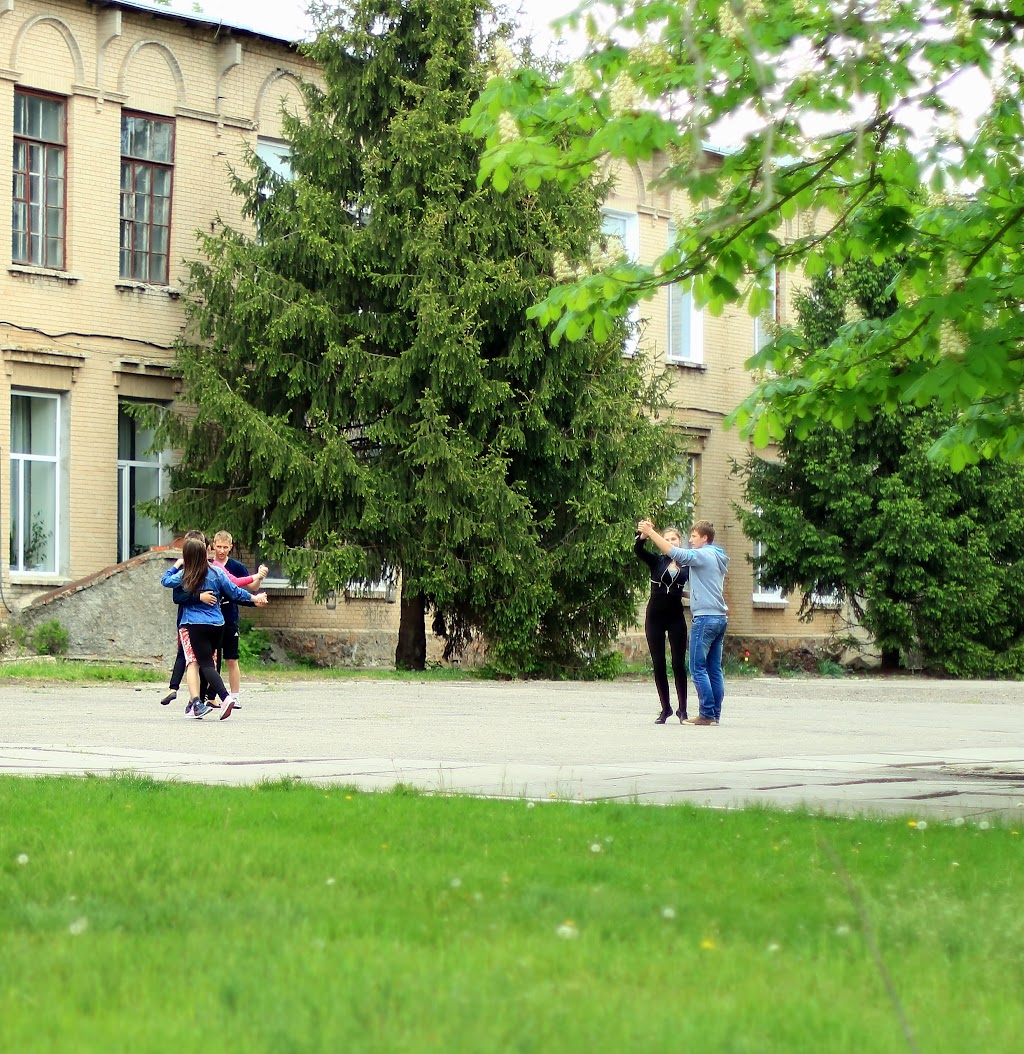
<point x="144" y="916"/>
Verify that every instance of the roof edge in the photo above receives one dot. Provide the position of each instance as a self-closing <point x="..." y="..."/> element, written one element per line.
<point x="200" y="21"/>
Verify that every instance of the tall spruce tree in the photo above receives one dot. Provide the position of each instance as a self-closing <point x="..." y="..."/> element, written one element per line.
<point x="932" y="560"/>
<point x="368" y="395"/>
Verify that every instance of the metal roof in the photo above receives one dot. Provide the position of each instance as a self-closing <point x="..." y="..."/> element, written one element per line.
<point x="202" y="21"/>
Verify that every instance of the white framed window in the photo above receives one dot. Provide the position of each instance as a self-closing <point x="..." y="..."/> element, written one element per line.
<point x="36" y="452"/>
<point x="276" y="154"/>
<point x="766" y="323"/>
<point x="141" y="477"/>
<point x="682" y="492"/>
<point x="826" y="601"/>
<point x="626" y="227"/>
<point x="765" y="592"/>
<point x="685" y="322"/>
<point x="384" y="588"/>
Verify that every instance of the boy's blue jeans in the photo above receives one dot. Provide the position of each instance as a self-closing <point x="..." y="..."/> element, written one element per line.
<point x="707" y="635"/>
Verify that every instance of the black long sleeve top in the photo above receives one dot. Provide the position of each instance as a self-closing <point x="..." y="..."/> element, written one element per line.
<point x="662" y="580"/>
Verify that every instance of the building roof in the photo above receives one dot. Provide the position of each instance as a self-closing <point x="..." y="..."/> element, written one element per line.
<point x="202" y="21"/>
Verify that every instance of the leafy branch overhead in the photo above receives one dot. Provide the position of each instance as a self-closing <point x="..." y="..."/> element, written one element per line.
<point x="845" y="143"/>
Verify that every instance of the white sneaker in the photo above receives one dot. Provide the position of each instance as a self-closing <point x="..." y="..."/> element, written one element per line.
<point x="228" y="705"/>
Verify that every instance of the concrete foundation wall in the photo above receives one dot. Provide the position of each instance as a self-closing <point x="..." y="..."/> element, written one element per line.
<point x="120" y="613"/>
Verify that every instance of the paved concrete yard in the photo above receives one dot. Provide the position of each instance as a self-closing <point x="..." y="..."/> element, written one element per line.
<point x="902" y="745"/>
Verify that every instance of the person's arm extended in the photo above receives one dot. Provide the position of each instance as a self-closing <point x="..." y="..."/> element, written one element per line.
<point x="171" y="577"/>
<point x="229" y="589"/>
<point x="642" y="552"/>
<point x="680" y="555"/>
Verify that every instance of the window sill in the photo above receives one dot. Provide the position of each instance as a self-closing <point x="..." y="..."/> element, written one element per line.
<point x="282" y="588"/>
<point x="686" y="364"/>
<point x="43" y="272"/>
<point x="769" y="603"/>
<point x="38" y="578"/>
<point x="144" y="287"/>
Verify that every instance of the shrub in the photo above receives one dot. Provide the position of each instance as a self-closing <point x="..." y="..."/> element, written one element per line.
<point x="50" y="638"/>
<point x="253" y="644"/>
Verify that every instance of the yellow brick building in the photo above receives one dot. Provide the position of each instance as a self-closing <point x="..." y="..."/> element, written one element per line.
<point x="122" y="123"/>
<point x="705" y="359"/>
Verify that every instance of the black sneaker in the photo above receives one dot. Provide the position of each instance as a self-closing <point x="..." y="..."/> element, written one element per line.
<point x="169" y="697"/>
<point x="190" y="706"/>
<point x="200" y="708"/>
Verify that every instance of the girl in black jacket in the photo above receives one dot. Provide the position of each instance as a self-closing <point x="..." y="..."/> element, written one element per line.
<point x="665" y="616"/>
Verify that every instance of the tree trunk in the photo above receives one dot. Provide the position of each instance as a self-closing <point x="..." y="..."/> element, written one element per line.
<point x="411" y="653"/>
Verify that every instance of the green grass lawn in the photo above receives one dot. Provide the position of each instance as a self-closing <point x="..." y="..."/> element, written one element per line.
<point x="143" y="916"/>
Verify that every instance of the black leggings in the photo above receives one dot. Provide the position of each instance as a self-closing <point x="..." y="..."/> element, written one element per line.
<point x="198" y="643"/>
<point x="665" y="616"/>
<point x="178" y="673"/>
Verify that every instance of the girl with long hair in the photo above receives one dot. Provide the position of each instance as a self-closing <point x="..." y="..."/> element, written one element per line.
<point x="202" y="624"/>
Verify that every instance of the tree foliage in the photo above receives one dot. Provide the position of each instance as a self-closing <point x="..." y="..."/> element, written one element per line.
<point x="848" y="145"/>
<point x="931" y="560"/>
<point x="368" y="394"/>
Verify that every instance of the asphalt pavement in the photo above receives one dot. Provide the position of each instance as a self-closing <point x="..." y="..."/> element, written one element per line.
<point x="903" y="745"/>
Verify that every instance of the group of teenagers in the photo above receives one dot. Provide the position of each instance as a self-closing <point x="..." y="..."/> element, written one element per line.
<point x="208" y="587"/>
<point x="701" y="568"/>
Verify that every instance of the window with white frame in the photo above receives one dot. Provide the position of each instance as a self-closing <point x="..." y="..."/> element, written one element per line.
<point x="685" y="323"/>
<point x="625" y="226"/>
<point x="140" y="478"/>
<point x="682" y="492"/>
<point x="764" y="591"/>
<point x="767" y="322"/>
<point x="35" y="482"/>
<point x="39" y="167"/>
<point x="276" y="154"/>
<point x="829" y="601"/>
<point x="384" y="588"/>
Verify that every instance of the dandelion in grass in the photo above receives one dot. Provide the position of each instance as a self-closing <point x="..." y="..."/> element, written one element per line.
<point x="922" y="825"/>
<point x="330" y="882"/>
<point x="78" y="927"/>
<point x="842" y="931"/>
<point x="773" y="947"/>
<point x="912" y="823"/>
<point x="455" y="882"/>
<point x="708" y="945"/>
<point x="22" y="859"/>
<point x="596" y="847"/>
<point x="959" y="822"/>
<point x="531" y="805"/>
<point x="668" y="913"/>
<point x="984" y="825"/>
<point x="955" y="863"/>
<point x="567" y="931"/>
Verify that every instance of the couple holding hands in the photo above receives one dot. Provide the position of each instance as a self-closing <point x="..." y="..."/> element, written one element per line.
<point x="702" y="566"/>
